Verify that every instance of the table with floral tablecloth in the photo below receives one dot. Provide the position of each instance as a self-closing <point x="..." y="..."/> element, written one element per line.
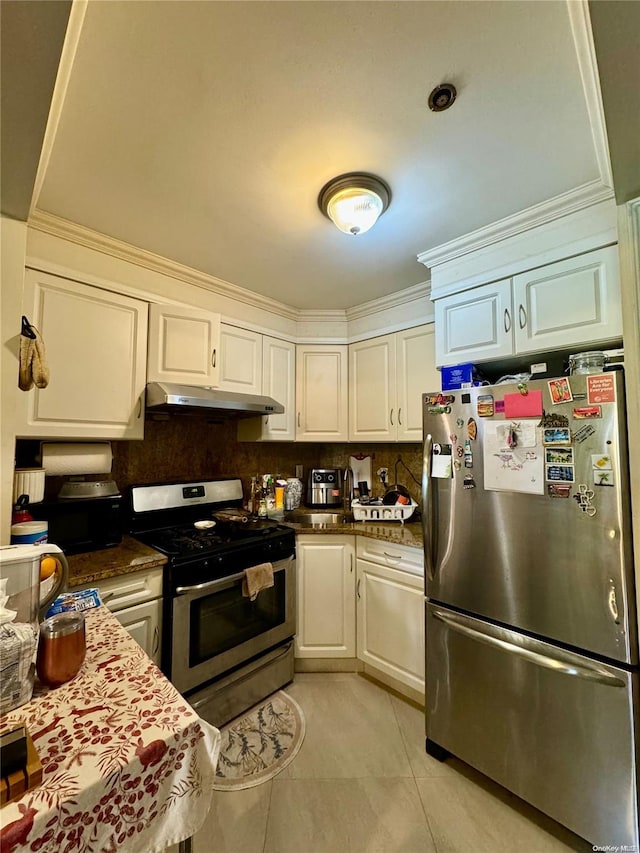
<point x="127" y="763"/>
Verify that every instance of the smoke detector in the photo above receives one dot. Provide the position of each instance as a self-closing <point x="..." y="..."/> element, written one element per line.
<point x="442" y="97"/>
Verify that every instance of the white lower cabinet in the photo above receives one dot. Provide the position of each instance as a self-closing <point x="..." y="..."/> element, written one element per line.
<point x="136" y="602"/>
<point x="326" y="596"/>
<point x="390" y="612"/>
<point x="144" y="622"/>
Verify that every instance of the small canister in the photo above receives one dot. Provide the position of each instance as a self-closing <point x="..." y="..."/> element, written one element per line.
<point x="61" y="648"/>
<point x="587" y="362"/>
<point x="29" y="533"/>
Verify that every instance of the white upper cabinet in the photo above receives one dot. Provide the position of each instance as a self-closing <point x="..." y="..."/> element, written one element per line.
<point x="240" y="360"/>
<point x="372" y="390"/>
<point x="96" y="345"/>
<point x="387" y="377"/>
<point x="278" y="382"/>
<point x="322" y="402"/>
<point x="184" y="345"/>
<point x="570" y="303"/>
<point x="475" y="324"/>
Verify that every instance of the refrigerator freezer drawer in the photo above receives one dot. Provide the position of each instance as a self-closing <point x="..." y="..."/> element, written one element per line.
<point x="553" y="727"/>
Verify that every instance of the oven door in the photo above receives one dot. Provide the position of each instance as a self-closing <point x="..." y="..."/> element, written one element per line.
<point x="215" y="628"/>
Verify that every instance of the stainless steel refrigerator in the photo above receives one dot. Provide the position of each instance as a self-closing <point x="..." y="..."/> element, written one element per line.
<point x="531" y="630"/>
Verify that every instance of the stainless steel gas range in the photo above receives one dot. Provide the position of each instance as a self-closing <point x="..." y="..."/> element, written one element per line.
<point x="221" y="650"/>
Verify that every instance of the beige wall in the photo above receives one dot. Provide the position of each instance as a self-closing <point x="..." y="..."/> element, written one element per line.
<point x="13" y="239"/>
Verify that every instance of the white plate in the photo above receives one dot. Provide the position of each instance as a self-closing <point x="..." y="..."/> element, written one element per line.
<point x="204" y="525"/>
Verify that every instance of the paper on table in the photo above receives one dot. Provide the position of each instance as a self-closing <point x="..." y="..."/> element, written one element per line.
<point x="512" y="469"/>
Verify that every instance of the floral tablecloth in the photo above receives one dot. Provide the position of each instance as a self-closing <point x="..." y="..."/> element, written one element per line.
<point x="127" y="764"/>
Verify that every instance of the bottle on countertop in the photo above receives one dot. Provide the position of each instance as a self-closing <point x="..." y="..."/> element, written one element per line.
<point x="252" y="503"/>
<point x="271" y="495"/>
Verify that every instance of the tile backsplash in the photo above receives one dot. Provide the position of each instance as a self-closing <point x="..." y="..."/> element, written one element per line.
<point x="190" y="448"/>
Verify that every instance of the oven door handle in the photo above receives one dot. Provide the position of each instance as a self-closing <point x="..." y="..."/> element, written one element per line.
<point x="228" y="580"/>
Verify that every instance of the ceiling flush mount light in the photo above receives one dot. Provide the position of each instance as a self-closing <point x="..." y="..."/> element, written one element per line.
<point x="353" y="202"/>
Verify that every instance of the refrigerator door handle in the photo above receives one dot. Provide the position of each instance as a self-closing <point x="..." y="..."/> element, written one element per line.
<point x="565" y="663"/>
<point x="427" y="513"/>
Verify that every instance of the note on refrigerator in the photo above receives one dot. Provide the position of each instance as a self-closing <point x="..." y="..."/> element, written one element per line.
<point x="441" y="462"/>
<point x="513" y="458"/>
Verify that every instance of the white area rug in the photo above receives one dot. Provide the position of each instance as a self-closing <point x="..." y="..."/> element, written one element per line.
<point x="261" y="743"/>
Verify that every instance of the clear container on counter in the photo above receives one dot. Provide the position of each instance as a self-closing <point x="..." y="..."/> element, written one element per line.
<point x="587" y="362"/>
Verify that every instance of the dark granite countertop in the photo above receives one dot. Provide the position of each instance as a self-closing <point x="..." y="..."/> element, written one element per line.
<point x="95" y="566"/>
<point x="402" y="534"/>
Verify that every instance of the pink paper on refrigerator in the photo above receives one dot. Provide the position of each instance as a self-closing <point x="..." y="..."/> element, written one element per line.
<point x="523" y="405"/>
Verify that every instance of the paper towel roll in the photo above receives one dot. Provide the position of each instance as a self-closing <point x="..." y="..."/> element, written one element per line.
<point x="76" y="458"/>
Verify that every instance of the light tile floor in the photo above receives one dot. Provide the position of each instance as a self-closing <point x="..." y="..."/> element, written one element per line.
<point x="363" y="782"/>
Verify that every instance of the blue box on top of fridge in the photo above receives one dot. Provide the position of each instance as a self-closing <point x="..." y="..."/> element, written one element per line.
<point x="458" y="376"/>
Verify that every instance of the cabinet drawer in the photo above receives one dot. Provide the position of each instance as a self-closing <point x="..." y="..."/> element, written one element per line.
<point x="400" y="557"/>
<point x="127" y="590"/>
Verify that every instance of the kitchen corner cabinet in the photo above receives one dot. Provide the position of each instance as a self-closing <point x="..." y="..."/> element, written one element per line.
<point x="136" y="602"/>
<point x="96" y="348"/>
<point x="325" y="568"/>
<point x="390" y="611"/>
<point x="184" y="345"/>
<point x="278" y="382"/>
<point x="322" y="402"/>
<point x="387" y="377"/>
<point x="570" y="303"/>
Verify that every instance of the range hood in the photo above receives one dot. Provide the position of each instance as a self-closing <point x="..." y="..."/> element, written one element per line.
<point x="170" y="397"/>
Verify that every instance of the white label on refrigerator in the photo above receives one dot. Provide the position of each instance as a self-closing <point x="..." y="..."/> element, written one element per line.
<point x="441" y="467"/>
<point x="509" y="468"/>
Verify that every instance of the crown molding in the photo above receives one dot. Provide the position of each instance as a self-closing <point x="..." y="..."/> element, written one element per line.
<point x="57" y="226"/>
<point x="392" y="300"/>
<point x="582" y="32"/>
<point x="561" y="205"/>
<point x="49" y="223"/>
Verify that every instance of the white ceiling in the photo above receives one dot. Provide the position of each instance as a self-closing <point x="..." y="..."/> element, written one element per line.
<point x="203" y="132"/>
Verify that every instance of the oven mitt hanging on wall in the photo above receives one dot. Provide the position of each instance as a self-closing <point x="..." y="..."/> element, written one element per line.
<point x="33" y="368"/>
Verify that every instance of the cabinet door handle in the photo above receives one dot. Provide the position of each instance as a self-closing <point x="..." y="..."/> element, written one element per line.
<point x="399" y="416"/>
<point x="351" y="563"/>
<point x="522" y="316"/>
<point x="266" y="421"/>
<point x="139" y="408"/>
<point x="392" y="556"/>
<point x="391" y="416"/>
<point x="358" y="588"/>
<point x="156" y="639"/>
<point x="298" y="420"/>
<point x="507" y="321"/>
<point x="214" y="357"/>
